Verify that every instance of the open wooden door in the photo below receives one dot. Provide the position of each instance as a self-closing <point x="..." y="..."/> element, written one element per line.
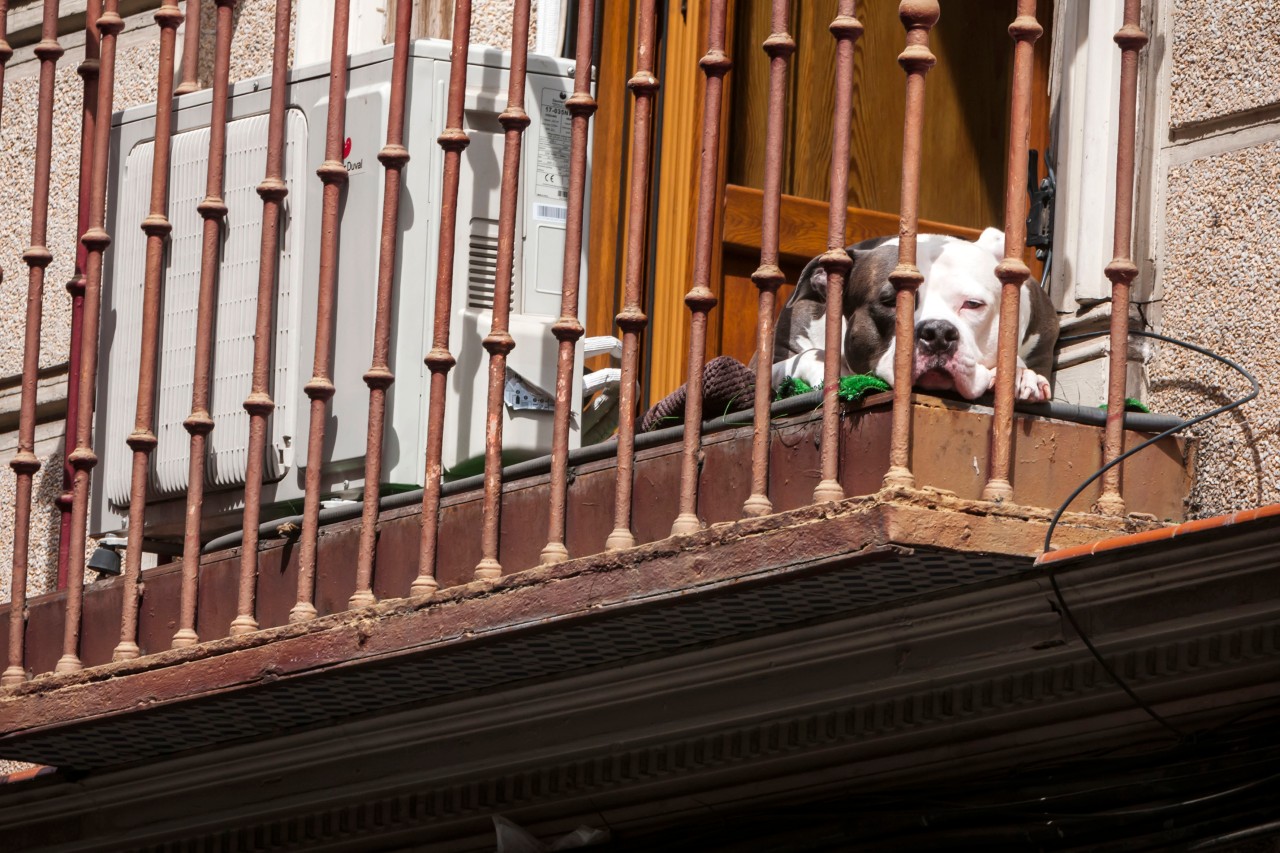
<point x="962" y="182"/>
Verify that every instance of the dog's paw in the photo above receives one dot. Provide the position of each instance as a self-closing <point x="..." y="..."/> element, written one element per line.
<point x="1030" y="387"/>
<point x="1033" y="387"/>
<point x="807" y="366"/>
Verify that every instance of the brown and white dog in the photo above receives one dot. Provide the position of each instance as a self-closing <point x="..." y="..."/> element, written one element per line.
<point x="957" y="319"/>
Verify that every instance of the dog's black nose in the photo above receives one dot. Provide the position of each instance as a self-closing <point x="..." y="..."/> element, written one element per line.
<point x="937" y="337"/>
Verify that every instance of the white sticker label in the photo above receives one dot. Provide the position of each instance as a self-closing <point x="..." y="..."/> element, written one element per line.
<point x="551" y="213"/>
<point x="554" y="144"/>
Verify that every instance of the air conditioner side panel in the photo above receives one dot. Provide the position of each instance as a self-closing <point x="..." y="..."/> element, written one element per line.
<point x="237" y="285"/>
<point x="538" y="275"/>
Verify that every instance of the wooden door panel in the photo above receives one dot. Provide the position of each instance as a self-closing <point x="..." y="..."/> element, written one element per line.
<point x="966" y="104"/>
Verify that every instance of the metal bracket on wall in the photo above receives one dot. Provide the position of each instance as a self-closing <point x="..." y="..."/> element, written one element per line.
<point x="1040" y="210"/>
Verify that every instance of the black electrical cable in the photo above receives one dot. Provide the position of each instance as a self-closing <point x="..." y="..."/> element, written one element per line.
<point x="1057" y="516"/>
<point x="1056" y="803"/>
<point x="1262" y="830"/>
<point x="1257" y="388"/>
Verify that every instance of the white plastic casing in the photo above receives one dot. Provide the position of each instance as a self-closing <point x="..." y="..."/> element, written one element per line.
<point x="535" y="291"/>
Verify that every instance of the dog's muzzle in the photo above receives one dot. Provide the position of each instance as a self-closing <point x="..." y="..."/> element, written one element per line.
<point x="937" y="337"/>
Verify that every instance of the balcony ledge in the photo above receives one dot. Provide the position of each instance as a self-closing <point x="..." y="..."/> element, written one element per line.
<point x="901" y="526"/>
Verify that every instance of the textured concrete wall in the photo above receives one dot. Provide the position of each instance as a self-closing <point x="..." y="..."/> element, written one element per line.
<point x="491" y="22"/>
<point x="1225" y="58"/>
<point x="1216" y="220"/>
<point x="1219" y="290"/>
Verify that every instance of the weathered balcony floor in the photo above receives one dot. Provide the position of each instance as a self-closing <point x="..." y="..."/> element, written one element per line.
<point x="1051" y="457"/>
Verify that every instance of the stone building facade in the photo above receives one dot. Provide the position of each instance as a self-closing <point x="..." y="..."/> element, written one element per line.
<point x="1213" y="162"/>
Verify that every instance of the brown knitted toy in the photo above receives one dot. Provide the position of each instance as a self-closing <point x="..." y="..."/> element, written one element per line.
<point x="728" y="385"/>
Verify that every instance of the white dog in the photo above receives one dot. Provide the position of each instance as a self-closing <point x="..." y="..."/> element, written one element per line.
<point x="957" y="319"/>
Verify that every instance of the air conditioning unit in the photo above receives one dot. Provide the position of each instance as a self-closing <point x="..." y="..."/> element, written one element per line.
<point x="535" y="298"/>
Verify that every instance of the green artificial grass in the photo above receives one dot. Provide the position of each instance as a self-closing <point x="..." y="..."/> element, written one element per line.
<point x="1131" y="405"/>
<point x="852" y="388"/>
<point x="475" y="465"/>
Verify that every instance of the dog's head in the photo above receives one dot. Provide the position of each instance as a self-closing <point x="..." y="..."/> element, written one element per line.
<point x="868" y="307"/>
<point x="957" y="318"/>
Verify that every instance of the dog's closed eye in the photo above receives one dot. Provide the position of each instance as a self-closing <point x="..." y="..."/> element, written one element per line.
<point x="974" y="304"/>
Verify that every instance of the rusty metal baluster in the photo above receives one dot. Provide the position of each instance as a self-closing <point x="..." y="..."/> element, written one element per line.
<point x="379" y="377"/>
<point x="779" y="47"/>
<point x="1122" y="270"/>
<point x="439" y="360"/>
<point x="82" y="459"/>
<point x="631" y="319"/>
<point x="15" y="672"/>
<point x="333" y="174"/>
<point x="498" y="343"/>
<point x="715" y="65"/>
<point x="88" y="71"/>
<point x="1012" y="271"/>
<point x="25" y="464"/>
<point x="213" y="209"/>
<point x="568" y="329"/>
<point x="846" y="29"/>
<point x="259" y="404"/>
<point x="191" y="51"/>
<point x="918" y="17"/>
<point x="142" y="441"/>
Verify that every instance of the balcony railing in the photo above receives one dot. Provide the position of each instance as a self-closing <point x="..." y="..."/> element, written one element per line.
<point x="497" y="526"/>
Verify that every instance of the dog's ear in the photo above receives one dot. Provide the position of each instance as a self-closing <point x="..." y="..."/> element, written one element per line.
<point x="992" y="239"/>
<point x="812" y="283"/>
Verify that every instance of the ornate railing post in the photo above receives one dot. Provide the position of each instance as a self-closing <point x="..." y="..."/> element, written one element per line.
<point x="259" y="404"/>
<point x="1122" y="270"/>
<point x="88" y="71"/>
<point x="25" y="463"/>
<point x="1012" y="271"/>
<point x="700" y="299"/>
<point x="768" y="277"/>
<point x="96" y="240"/>
<point x="439" y="360"/>
<point x="919" y="17"/>
<point x="499" y="343"/>
<point x="142" y="441"/>
<point x="631" y="319"/>
<point x="836" y="261"/>
<point x="213" y="209"/>
<point x="319" y="389"/>
<point x="568" y="329"/>
<point x="393" y="156"/>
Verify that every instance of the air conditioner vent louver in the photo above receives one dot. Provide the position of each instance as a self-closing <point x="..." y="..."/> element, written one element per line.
<point x="482" y="269"/>
<point x="227" y="456"/>
<point x="536" y="257"/>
